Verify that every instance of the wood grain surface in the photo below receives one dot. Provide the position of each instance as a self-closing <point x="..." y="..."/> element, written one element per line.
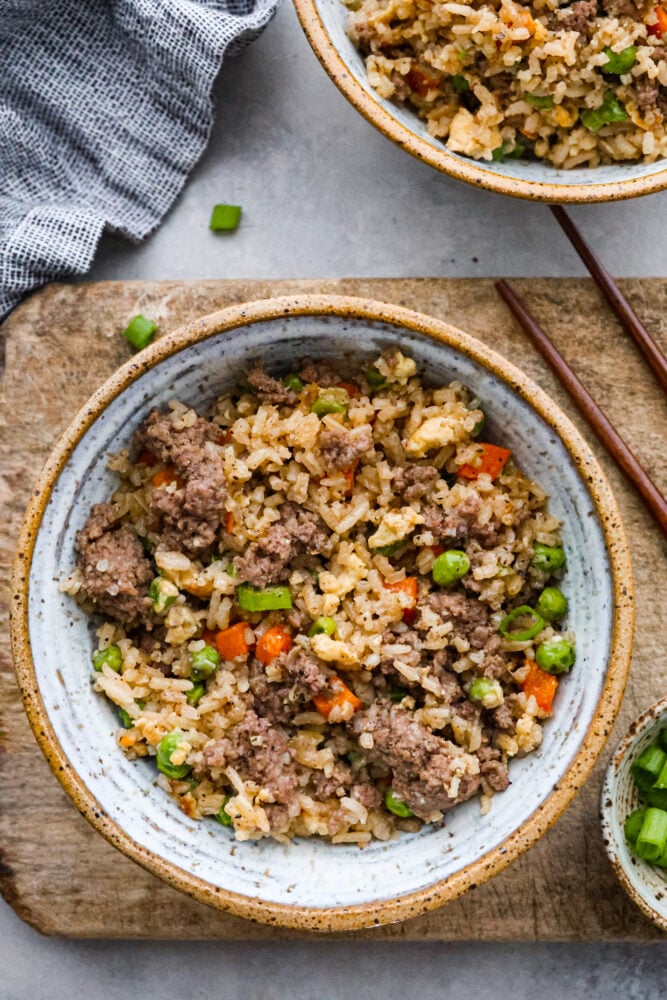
<point x="55" y="870"/>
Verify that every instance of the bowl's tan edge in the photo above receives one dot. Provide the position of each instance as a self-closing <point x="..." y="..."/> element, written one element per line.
<point x="471" y="171"/>
<point x="645" y="721"/>
<point x="412" y="904"/>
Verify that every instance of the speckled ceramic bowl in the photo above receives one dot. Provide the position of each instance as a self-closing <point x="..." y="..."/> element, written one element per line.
<point x="644" y="883"/>
<point x="325" y="25"/>
<point x="311" y="884"/>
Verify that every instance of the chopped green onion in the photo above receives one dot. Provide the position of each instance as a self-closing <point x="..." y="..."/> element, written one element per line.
<point x="203" y="663"/>
<point x="544" y="103"/>
<point x="162" y="593"/>
<point x="656" y="797"/>
<point x="222" y="815"/>
<point x="109" y="657"/>
<point x="551" y="604"/>
<point x="621" y="62"/>
<point x="661" y="780"/>
<point x="231" y="570"/>
<point x="323" y="626"/>
<point x="449" y="567"/>
<point x="396" y="805"/>
<point x="633" y="825"/>
<point x="165" y="749"/>
<point x="126" y="718"/>
<point x="397" y="695"/>
<point x="479" y="427"/>
<point x="375" y="378"/>
<point x="459" y="83"/>
<point x="662" y="739"/>
<point x="388" y="550"/>
<point x="293" y="382"/>
<point x="652" y="838"/>
<point x="548" y="558"/>
<point x="523" y="634"/>
<point x="608" y="112"/>
<point x="225" y="218"/>
<point x="139" y="332"/>
<point x="555" y="656"/>
<point x="263" y="599"/>
<point x="508" y="151"/>
<point x="329" y="401"/>
<point x="646" y="768"/>
<point x="196" y="693"/>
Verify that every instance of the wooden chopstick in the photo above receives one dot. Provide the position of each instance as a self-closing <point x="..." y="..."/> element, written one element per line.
<point x="628" y="318"/>
<point x="629" y="464"/>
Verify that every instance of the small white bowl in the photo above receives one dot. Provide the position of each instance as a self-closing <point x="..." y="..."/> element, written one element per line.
<point x="644" y="883"/>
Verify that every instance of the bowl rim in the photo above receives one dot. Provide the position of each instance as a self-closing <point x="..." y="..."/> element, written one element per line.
<point x="464" y="169"/>
<point x="608" y="797"/>
<point x="413" y="903"/>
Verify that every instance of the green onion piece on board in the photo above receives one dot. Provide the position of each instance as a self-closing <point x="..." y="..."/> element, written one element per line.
<point x="203" y="663"/>
<point x="555" y="656"/>
<point x="551" y="604"/>
<point x="548" y="558"/>
<point x="323" y="626"/>
<point x="223" y="816"/>
<point x="459" y="83"/>
<point x="396" y="805"/>
<point x="621" y="62"/>
<point x="109" y="657"/>
<point x="225" y="218"/>
<point x="652" y="838"/>
<point x="375" y="378"/>
<point x="523" y="634"/>
<point x="633" y="825"/>
<point x="139" y="332"/>
<point x="167" y="746"/>
<point x="543" y="103"/>
<point x="293" y="382"/>
<point x="263" y="599"/>
<point x="607" y="113"/>
<point x="449" y="567"/>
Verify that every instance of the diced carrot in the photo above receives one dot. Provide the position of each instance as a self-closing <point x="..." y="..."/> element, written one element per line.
<point x="165" y="477"/>
<point x="232" y="642"/>
<point x="128" y="739"/>
<point x="660" y="27"/>
<point x="146" y="457"/>
<point x="349" y="474"/>
<point x="350" y="388"/>
<point x="223" y="438"/>
<point x="229" y="522"/>
<point x="409" y="616"/>
<point x="541" y="685"/>
<point x="420" y="81"/>
<point x="276" y="640"/>
<point x="408" y="586"/>
<point x="492" y="461"/>
<point x="339" y="696"/>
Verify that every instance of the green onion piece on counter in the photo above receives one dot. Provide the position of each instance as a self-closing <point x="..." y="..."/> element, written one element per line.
<point x="646" y="768"/>
<point x="203" y="663"/>
<point x="167" y="746"/>
<point x="652" y="838"/>
<point x="225" y="218"/>
<point x="449" y="567"/>
<point x="323" y="626"/>
<point x="481" y="688"/>
<point x="548" y="558"/>
<point x="329" y="401"/>
<point x="607" y="113"/>
<point x="293" y="382"/>
<point x="633" y="825"/>
<point x="555" y="656"/>
<point x="139" y="332"/>
<point x="551" y="604"/>
<point x="396" y="805"/>
<point x="109" y="657"/>
<point x="222" y="815"/>
<point x="523" y="611"/>
<point x="508" y="151"/>
<point x="621" y="62"/>
<point x="397" y="695"/>
<point x="375" y="378"/>
<point x="263" y="599"/>
<point x="162" y="593"/>
<point x="459" y="83"/>
<point x="543" y="103"/>
<point x="388" y="550"/>
<point x="196" y="693"/>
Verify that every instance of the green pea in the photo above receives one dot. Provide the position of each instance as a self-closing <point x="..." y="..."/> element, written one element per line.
<point x="165" y="748"/>
<point x="375" y="378"/>
<point x="323" y="626"/>
<point x="196" y="693"/>
<point x="203" y="663"/>
<point x="293" y="382"/>
<point x="610" y="111"/>
<point x="548" y="558"/>
<point x="396" y="805"/>
<point x="109" y="657"/>
<point x="481" y="688"/>
<point x="449" y="567"/>
<point x="552" y="604"/>
<point x="222" y="815"/>
<point x="555" y="656"/>
<point x="398" y="694"/>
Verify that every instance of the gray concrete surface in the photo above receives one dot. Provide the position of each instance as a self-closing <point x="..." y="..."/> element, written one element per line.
<point x="325" y="195"/>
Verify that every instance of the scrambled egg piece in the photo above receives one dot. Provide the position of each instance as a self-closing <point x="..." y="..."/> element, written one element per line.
<point x="434" y="433"/>
<point x="394" y="527"/>
<point x="333" y="651"/>
<point x="400" y="369"/>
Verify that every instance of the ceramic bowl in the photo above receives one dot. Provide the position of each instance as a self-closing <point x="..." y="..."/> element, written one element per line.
<point x="311" y="884"/>
<point x="325" y="25"/>
<point x="644" y="883"/>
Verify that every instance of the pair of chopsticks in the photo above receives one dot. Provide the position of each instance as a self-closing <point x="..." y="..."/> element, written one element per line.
<point x="629" y="464"/>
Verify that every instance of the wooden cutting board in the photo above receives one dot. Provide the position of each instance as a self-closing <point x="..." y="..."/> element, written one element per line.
<point x="55" y="870"/>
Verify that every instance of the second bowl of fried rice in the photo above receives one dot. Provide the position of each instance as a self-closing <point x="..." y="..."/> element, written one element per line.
<point x="324" y="611"/>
